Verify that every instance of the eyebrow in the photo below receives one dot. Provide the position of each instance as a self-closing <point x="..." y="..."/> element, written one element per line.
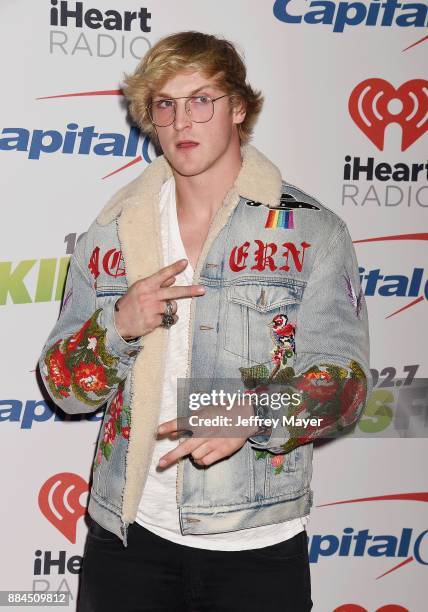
<point x="161" y="94"/>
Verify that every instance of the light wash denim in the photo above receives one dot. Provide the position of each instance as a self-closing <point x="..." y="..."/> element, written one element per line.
<point x="312" y="278"/>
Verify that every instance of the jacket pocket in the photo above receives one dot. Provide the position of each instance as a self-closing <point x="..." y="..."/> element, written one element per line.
<point x="289" y="474"/>
<point x="260" y="318"/>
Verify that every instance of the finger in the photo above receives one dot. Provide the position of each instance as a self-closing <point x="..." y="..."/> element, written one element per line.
<point x="203" y="449"/>
<point x="162" y="306"/>
<point x="163" y="274"/>
<point x="179" y="291"/>
<point x="181" y="450"/>
<point x="174" y="319"/>
<point x="175" y="435"/>
<point x="170" y="281"/>
<point x="212" y="457"/>
<point x="157" y="320"/>
<point x="174" y="425"/>
<point x="168" y="426"/>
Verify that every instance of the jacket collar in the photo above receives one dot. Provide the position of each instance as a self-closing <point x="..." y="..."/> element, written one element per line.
<point x="259" y="180"/>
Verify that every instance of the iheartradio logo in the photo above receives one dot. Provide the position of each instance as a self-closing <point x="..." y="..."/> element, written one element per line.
<point x="59" y="501"/>
<point x="375" y="103"/>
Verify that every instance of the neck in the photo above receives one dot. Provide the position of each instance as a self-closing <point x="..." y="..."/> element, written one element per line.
<point x="202" y="195"/>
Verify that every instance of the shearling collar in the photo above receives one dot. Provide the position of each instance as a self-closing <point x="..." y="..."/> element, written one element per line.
<point x="259" y="180"/>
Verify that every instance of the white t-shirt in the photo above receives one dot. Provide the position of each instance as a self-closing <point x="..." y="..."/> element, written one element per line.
<point x="158" y="510"/>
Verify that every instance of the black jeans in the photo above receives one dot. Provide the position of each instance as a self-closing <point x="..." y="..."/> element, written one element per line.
<point x="154" y="574"/>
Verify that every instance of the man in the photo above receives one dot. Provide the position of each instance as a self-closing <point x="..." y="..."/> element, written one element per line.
<point x="224" y="271"/>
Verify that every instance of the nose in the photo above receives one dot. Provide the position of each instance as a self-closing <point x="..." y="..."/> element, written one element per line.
<point x="182" y="119"/>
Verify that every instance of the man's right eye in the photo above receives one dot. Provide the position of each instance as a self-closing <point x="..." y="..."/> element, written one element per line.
<point x="162" y="104"/>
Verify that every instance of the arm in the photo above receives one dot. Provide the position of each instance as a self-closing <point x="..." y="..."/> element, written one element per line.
<point x="331" y="370"/>
<point x="84" y="358"/>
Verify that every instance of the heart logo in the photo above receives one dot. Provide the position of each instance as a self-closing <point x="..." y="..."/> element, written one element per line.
<point x="59" y="502"/>
<point x="370" y="109"/>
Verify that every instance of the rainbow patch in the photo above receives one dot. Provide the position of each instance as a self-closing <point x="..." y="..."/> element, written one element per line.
<point x="280" y="218"/>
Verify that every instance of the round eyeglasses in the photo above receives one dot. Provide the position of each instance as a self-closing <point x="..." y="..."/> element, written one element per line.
<point x="200" y="109"/>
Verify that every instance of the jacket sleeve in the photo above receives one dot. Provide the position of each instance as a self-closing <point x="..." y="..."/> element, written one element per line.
<point x="331" y="369"/>
<point x="84" y="358"/>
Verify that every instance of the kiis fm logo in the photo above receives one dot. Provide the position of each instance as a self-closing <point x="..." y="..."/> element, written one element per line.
<point x="43" y="280"/>
<point x="60" y="502"/>
<point x="46" y="277"/>
<point x="374" y="104"/>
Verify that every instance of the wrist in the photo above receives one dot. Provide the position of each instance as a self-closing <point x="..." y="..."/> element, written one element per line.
<point x="125" y="337"/>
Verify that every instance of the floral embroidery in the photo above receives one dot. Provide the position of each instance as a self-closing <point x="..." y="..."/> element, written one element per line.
<point x="328" y="391"/>
<point x="282" y="333"/>
<point x="92" y="343"/>
<point x="80" y="364"/>
<point x="90" y="377"/>
<point x="318" y="385"/>
<point x="276" y="461"/>
<point x="259" y="374"/>
<point x="60" y="375"/>
<point x="117" y="423"/>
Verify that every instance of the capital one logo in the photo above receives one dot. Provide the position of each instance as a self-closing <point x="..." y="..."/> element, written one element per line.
<point x="59" y="502"/>
<point x="375" y="103"/>
<point x="363" y="543"/>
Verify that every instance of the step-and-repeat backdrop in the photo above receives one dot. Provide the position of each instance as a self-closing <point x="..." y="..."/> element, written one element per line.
<point x="345" y="118"/>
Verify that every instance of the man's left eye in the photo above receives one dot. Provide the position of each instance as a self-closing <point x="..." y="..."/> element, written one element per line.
<point x="201" y="99"/>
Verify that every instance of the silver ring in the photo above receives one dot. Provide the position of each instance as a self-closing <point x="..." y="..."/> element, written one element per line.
<point x="167" y="317"/>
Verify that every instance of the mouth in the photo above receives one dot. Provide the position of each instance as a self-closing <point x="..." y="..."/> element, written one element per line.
<point x="186" y="144"/>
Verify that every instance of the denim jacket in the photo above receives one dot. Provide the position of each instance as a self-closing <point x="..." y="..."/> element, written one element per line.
<point x="283" y="296"/>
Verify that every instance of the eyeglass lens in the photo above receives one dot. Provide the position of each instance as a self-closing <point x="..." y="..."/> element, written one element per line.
<point x="199" y="108"/>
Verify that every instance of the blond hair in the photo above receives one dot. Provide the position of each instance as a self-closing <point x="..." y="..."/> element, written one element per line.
<point x="191" y="51"/>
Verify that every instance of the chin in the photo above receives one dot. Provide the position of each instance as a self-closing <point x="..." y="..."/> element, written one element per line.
<point x="187" y="168"/>
<point x="186" y="171"/>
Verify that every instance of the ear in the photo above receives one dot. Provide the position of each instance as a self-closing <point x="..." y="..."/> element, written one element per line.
<point x="239" y="112"/>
